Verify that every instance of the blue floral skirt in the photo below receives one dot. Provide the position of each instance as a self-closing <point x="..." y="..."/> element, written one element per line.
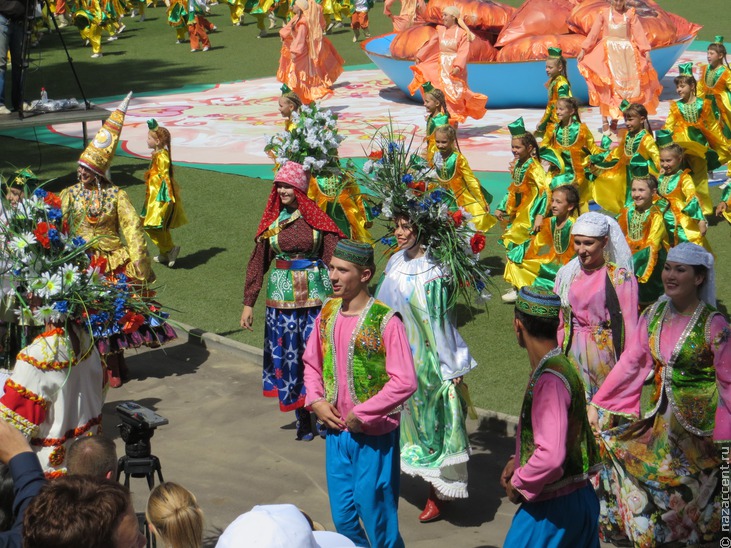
<point x="285" y="337"/>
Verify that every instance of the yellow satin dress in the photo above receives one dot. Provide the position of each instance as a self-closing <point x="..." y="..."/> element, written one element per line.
<point x="525" y="199"/>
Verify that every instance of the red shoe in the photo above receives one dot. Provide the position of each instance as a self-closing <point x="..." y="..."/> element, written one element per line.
<point x="431" y="511"/>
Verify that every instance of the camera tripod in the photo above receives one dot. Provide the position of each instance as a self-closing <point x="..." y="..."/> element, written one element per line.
<point x="138" y="461"/>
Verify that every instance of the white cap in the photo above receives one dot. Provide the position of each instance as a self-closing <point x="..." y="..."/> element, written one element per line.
<point x="277" y="526"/>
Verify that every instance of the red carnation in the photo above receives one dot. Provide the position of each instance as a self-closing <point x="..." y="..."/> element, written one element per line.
<point x="419" y="186"/>
<point x="375" y="155"/>
<point x="52" y="200"/>
<point x="99" y="262"/>
<point x="477" y="243"/>
<point x="131" y="322"/>
<point x="457" y="217"/>
<point x="41" y="234"/>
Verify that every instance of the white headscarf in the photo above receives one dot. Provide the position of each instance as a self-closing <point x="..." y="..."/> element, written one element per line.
<point x="695" y="255"/>
<point x="595" y="225"/>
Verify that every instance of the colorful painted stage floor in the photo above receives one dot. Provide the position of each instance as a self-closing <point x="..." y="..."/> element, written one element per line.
<point x="225" y="127"/>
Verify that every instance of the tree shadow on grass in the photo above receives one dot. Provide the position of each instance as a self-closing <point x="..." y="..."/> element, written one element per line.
<point x="197" y="258"/>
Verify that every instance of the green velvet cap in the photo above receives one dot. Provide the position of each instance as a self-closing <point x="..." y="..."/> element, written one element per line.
<point x="355" y="252"/>
<point x="542" y="303"/>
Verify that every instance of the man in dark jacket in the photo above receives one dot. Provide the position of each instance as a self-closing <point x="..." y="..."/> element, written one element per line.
<point x="12" y="16"/>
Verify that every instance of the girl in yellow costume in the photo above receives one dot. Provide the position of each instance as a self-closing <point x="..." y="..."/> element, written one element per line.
<point x="677" y="197"/>
<point x="715" y="85"/>
<point x="259" y="9"/>
<point x="572" y="142"/>
<point x="454" y="173"/>
<point x="88" y="18"/>
<point x="289" y="102"/>
<point x="236" y="11"/>
<point x="693" y="126"/>
<point x="643" y="226"/>
<point x="536" y="261"/>
<point x="557" y="79"/>
<point x="163" y="209"/>
<point x="437" y="115"/>
<point x="178" y="19"/>
<point x="611" y="189"/>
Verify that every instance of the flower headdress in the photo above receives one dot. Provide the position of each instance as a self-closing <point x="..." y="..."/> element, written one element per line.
<point x="400" y="183"/>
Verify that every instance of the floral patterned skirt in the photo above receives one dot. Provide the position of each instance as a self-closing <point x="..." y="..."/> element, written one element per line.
<point x="285" y="336"/>
<point x="668" y="482"/>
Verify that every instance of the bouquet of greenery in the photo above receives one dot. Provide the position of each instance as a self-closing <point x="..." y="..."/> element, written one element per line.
<point x="397" y="182"/>
<point x="313" y="142"/>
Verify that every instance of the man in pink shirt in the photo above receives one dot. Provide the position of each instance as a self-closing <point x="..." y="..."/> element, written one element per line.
<point x="555" y="450"/>
<point x="358" y="372"/>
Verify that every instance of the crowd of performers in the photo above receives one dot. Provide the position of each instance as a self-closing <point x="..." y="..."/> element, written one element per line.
<point x="625" y="420"/>
<point x="639" y="374"/>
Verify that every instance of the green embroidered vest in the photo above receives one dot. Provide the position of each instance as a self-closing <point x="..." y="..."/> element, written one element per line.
<point x="366" y="367"/>
<point x="582" y="452"/>
<point x="689" y="376"/>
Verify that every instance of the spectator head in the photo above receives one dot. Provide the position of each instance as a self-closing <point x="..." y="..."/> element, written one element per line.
<point x="174" y="516"/>
<point x="277" y="525"/>
<point x="75" y="511"/>
<point x="93" y="456"/>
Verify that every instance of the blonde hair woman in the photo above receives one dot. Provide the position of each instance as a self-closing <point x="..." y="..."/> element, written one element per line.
<point x="174" y="516"/>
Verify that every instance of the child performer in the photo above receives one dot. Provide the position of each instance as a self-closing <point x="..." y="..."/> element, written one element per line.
<point x="536" y="261"/>
<point x="454" y="172"/>
<point x="555" y="450"/>
<point x="643" y="226"/>
<point x="289" y="102"/>
<point x="163" y="208"/>
<point x="677" y="195"/>
<point x="197" y="26"/>
<point x="715" y="85"/>
<point x="557" y="79"/>
<point x="693" y="126"/>
<point x="358" y="395"/>
<point x="437" y="115"/>
<point x="236" y="11"/>
<point x="611" y="189"/>
<point x="359" y="18"/>
<point x="88" y="18"/>
<point x="572" y="141"/>
<point x="178" y="19"/>
<point x="524" y="204"/>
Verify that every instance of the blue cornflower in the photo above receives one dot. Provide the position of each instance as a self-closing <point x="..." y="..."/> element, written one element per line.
<point x="480" y="285"/>
<point x="376" y="211"/>
<point x="62" y="307"/>
<point x="437" y="195"/>
<point x="55" y="214"/>
<point x="389" y="241"/>
<point x="408" y="178"/>
<point x="40" y="193"/>
<point x="78" y="241"/>
<point x="54" y="236"/>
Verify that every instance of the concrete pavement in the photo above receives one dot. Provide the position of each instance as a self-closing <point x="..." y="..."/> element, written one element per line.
<point x="234" y="449"/>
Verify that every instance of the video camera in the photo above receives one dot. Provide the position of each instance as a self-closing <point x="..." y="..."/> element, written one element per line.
<point x="138" y="426"/>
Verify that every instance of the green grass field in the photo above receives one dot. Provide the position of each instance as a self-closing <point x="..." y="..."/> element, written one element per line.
<point x="205" y="289"/>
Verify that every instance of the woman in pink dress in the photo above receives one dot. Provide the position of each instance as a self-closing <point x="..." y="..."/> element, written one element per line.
<point x="443" y="62"/>
<point x="598" y="293"/>
<point x="309" y="64"/>
<point x="410" y="14"/>
<point x="614" y="61"/>
<point x="674" y="380"/>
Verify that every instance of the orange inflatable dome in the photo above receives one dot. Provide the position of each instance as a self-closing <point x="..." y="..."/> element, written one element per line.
<point x="535" y="18"/>
<point x="478" y="14"/>
<point x="407" y="43"/>
<point x="658" y="24"/>
<point x="536" y="47"/>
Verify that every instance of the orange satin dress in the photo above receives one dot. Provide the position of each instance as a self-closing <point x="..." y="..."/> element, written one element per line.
<point x="616" y="65"/>
<point x="308" y="69"/>
<point x="447" y="49"/>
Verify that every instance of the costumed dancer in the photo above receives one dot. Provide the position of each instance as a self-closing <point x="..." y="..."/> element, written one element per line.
<point x="693" y="126"/>
<point x="289" y="102"/>
<point x="643" y="225"/>
<point x="573" y="143"/>
<point x="674" y="383"/>
<point x="453" y="172"/>
<point x="260" y="9"/>
<point x="101" y="213"/>
<point x="178" y="19"/>
<point x="437" y="115"/>
<point x="537" y="260"/>
<point x="358" y="394"/>
<point x="299" y="238"/>
<point x="677" y="195"/>
<point x="611" y="189"/>
<point x="163" y="209"/>
<point x="409" y="15"/>
<point x="555" y="450"/>
<point x="309" y="64"/>
<point x="359" y="18"/>
<point x="557" y="86"/>
<point x="443" y="62"/>
<point x="331" y="13"/>
<point x="524" y="206"/>
<point x="598" y="293"/>
<point x="614" y="59"/>
<point x="434" y="441"/>
<point x="338" y="195"/>
<point x="198" y="25"/>
<point x="88" y="18"/>
<point x="236" y="11"/>
<point x="715" y="85"/>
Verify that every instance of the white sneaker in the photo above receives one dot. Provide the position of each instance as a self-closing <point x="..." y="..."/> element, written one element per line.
<point x="61" y="22"/>
<point x="133" y="13"/>
<point x="272" y="20"/>
<point x="355" y="38"/>
<point x="112" y="38"/>
<point x="162" y="259"/>
<point x="725" y="184"/>
<point x="121" y="29"/>
<point x="178" y="42"/>
<point x="510" y="297"/>
<point x="206" y="48"/>
<point x="172" y="255"/>
<point x="96" y="55"/>
<point x="338" y="24"/>
<point x="330" y="27"/>
<point x="4" y="110"/>
<point x="86" y="42"/>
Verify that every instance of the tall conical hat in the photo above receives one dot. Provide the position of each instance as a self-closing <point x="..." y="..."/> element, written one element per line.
<point x="100" y="152"/>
